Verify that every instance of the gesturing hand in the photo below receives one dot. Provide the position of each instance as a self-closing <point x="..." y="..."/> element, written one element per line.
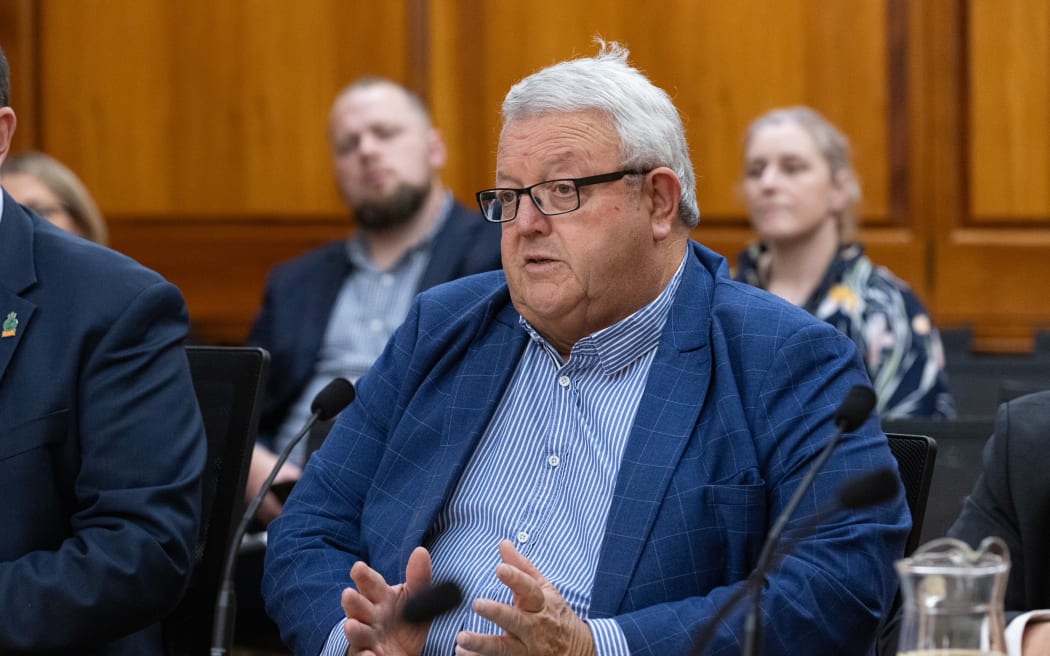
<point x="538" y="622"/>
<point x="373" y="624"/>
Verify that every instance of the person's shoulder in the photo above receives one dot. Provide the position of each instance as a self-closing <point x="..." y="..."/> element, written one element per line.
<point x="462" y="293"/>
<point x="77" y="262"/>
<point x="472" y="228"/>
<point x="743" y="313"/>
<point x="328" y="254"/>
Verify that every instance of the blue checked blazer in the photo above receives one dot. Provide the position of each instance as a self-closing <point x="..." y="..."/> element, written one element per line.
<point x="740" y="398"/>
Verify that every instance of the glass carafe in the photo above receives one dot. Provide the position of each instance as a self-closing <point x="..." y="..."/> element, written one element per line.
<point x="953" y="599"/>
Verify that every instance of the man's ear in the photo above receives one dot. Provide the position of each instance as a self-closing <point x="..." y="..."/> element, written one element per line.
<point x="436" y="152"/>
<point x="7" y="131"/>
<point x="665" y="192"/>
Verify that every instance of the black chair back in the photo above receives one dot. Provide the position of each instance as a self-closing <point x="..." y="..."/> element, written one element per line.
<point x="229" y="382"/>
<point x="916" y="455"/>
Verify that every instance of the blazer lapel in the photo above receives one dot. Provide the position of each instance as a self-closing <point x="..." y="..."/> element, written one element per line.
<point x="491" y="363"/>
<point x="17" y="274"/>
<point x="664" y="424"/>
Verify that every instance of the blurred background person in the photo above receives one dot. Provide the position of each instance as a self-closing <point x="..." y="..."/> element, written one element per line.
<point x="802" y="196"/>
<point x="329" y="312"/>
<point x="1012" y="500"/>
<point x="52" y="190"/>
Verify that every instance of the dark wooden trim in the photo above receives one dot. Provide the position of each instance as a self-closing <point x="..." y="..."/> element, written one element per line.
<point x="897" y="117"/>
<point x="965" y="113"/>
<point x="417" y="17"/>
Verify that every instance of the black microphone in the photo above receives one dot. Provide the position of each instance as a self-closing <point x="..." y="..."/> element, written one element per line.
<point x="335" y="396"/>
<point x="850" y="415"/>
<point x="431" y="602"/>
<point x="866" y="490"/>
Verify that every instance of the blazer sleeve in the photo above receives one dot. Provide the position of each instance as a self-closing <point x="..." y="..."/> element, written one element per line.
<point x="135" y="501"/>
<point x="991" y="508"/>
<point x="835" y="581"/>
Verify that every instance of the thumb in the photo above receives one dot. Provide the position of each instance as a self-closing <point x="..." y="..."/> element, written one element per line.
<point x="418" y="572"/>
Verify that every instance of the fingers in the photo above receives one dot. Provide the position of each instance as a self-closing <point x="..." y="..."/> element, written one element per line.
<point x="358" y="627"/>
<point x="418" y="572"/>
<point x="522" y="578"/>
<point x="370" y="583"/>
<point x="512" y="556"/>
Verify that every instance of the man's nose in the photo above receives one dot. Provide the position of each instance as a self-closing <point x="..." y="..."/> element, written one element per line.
<point x="529" y="215"/>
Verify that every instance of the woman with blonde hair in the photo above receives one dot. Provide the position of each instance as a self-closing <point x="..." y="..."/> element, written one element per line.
<point x="802" y="196"/>
<point x="49" y="188"/>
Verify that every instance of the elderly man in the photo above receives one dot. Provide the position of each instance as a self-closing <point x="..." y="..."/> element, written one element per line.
<point x="594" y="442"/>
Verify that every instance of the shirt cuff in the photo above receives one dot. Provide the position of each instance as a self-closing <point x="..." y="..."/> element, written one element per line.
<point x="337" y="643"/>
<point x="608" y="637"/>
<point x="1015" y="631"/>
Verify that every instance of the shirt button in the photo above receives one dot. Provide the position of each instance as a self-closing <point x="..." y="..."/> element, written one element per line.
<point x="523" y="537"/>
<point x="564" y="381"/>
<point x="386" y="280"/>
<point x="376" y="325"/>
<point x="553" y="460"/>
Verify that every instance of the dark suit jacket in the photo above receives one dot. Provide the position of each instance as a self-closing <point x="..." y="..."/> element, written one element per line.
<point x="301" y="294"/>
<point x="101" y="446"/>
<point x="1011" y="499"/>
<point x="740" y="397"/>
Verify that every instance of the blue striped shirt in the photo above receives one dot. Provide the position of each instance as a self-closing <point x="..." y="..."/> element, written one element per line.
<point x="372" y="303"/>
<point x="544" y="472"/>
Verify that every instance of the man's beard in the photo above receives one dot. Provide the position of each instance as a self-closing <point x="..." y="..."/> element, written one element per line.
<point x="393" y="211"/>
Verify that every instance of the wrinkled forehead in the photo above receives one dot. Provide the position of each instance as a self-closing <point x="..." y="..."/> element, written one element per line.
<point x="553" y="139"/>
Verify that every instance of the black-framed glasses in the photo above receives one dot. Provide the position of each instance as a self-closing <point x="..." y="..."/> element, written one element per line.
<point x="550" y="197"/>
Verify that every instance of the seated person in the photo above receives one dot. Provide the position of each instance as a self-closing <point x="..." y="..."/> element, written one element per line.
<point x="102" y="447"/>
<point x="49" y="188"/>
<point x="802" y="196"/>
<point x="329" y="312"/>
<point x="594" y="442"/>
<point x="1011" y="499"/>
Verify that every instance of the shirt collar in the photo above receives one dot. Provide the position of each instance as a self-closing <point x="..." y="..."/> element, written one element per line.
<point x="620" y="344"/>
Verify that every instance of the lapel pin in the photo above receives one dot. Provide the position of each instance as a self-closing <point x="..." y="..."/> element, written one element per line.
<point x="10" y="325"/>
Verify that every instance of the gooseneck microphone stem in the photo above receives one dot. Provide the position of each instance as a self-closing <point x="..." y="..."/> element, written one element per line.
<point x="849" y="416"/>
<point x="335" y="396"/>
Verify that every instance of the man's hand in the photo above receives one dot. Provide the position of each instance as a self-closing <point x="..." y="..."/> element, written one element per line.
<point x="373" y="624"/>
<point x="261" y="465"/>
<point x="539" y="622"/>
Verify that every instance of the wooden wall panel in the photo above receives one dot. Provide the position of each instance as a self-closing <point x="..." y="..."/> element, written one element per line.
<point x="200" y="125"/>
<point x="204" y="107"/>
<point x="724" y="63"/>
<point x="1009" y="101"/>
<point x="992" y="211"/>
<point x="18" y="35"/>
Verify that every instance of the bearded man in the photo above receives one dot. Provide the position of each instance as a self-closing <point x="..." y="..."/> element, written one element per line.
<point x="329" y="312"/>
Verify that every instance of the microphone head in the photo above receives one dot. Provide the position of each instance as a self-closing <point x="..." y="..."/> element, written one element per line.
<point x="428" y="604"/>
<point x="870" y="489"/>
<point x="855" y="408"/>
<point x="332" y="398"/>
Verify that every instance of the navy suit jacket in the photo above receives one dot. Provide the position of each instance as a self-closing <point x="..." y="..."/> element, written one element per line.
<point x="740" y="398"/>
<point x="301" y="294"/>
<point x="101" y="446"/>
<point x="1011" y="499"/>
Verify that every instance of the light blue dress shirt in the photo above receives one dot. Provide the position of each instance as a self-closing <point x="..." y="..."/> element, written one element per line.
<point x="543" y="474"/>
